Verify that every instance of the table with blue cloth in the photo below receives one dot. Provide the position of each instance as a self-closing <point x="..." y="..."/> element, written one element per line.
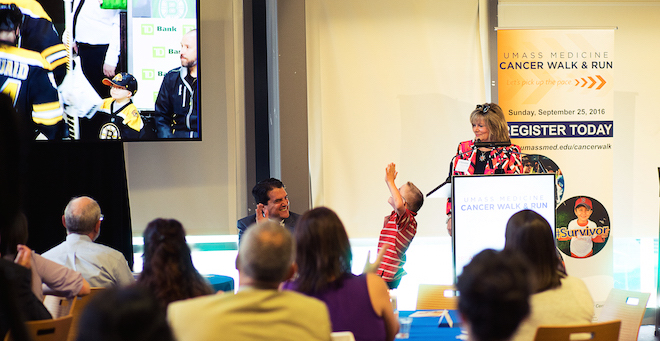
<point x="220" y="282"/>
<point x="426" y="328"/>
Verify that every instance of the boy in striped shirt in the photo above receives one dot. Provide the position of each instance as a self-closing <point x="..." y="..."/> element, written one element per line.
<point x="400" y="227"/>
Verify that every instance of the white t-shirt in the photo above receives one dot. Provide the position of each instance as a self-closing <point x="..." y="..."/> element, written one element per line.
<point x="581" y="244"/>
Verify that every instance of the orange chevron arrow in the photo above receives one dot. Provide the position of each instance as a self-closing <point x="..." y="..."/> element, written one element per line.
<point x="577" y="82"/>
<point x="601" y="84"/>
<point x="593" y="82"/>
<point x="585" y="82"/>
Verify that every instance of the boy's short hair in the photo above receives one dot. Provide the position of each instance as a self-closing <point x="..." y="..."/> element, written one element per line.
<point x="415" y="198"/>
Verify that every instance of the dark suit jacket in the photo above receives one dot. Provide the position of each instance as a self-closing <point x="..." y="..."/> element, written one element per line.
<point x="244" y="223"/>
<point x="17" y="302"/>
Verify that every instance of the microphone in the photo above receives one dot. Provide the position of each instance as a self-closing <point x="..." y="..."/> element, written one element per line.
<point x="480" y="144"/>
<point x="451" y="169"/>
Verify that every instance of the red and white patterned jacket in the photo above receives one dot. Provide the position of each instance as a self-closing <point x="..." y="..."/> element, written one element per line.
<point x="508" y="159"/>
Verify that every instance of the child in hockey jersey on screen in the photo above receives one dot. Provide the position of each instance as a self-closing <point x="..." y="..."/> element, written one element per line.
<point x="124" y="120"/>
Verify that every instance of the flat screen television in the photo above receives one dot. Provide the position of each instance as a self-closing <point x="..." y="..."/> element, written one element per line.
<point x="156" y="37"/>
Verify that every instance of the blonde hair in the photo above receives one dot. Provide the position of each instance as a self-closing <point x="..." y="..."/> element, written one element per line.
<point x="492" y="115"/>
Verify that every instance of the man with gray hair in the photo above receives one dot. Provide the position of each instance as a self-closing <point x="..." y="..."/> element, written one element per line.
<point x="259" y="310"/>
<point x="100" y="265"/>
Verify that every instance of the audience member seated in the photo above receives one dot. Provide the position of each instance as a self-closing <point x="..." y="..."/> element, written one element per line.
<point x="59" y="279"/>
<point x="17" y="301"/>
<point x="102" y="266"/>
<point x="558" y="299"/>
<point x="124" y="314"/>
<point x="272" y="203"/>
<point x="258" y="311"/>
<point x="494" y="295"/>
<point x="360" y="304"/>
<point x="168" y="270"/>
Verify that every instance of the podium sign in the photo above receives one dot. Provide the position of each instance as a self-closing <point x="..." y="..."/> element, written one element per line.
<point x="482" y="205"/>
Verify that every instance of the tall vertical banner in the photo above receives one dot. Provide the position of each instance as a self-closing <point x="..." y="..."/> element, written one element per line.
<point x="556" y="90"/>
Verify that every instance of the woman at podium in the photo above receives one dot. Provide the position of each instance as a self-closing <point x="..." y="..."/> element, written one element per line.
<point x="491" y="151"/>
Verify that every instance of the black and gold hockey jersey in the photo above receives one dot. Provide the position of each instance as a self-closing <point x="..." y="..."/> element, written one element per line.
<point x="25" y="77"/>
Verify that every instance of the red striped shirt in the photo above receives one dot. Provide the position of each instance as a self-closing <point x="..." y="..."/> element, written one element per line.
<point x="398" y="232"/>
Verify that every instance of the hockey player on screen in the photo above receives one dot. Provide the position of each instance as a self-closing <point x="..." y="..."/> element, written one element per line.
<point x="25" y="76"/>
<point x="38" y="34"/>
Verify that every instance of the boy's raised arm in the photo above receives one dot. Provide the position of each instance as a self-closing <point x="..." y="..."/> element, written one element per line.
<point x="396" y="200"/>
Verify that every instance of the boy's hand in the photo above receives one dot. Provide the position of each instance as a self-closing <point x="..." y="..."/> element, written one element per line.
<point x="373" y="267"/>
<point x="390" y="172"/>
<point x="262" y="213"/>
<point x="606" y="233"/>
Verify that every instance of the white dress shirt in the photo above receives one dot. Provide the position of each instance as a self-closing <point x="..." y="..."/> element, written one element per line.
<point x="100" y="265"/>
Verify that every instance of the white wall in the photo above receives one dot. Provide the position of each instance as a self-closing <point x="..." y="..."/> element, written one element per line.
<point x="389" y="81"/>
<point x="402" y="105"/>
<point x="199" y="183"/>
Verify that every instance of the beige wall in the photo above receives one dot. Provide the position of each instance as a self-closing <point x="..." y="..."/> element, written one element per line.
<point x="199" y="183"/>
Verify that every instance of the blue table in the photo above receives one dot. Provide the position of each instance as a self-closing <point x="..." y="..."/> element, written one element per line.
<point x="426" y="328"/>
<point x="220" y="282"/>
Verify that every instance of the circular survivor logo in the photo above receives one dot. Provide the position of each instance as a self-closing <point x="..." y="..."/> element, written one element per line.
<point x="583" y="227"/>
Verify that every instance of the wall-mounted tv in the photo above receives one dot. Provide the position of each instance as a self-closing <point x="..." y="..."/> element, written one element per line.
<point x="134" y="71"/>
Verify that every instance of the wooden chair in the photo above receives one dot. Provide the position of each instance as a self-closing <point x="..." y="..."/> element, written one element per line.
<point x="433" y="296"/>
<point x="59" y="306"/>
<point x="603" y="331"/>
<point x="76" y="312"/>
<point x="627" y="306"/>
<point x="47" y="330"/>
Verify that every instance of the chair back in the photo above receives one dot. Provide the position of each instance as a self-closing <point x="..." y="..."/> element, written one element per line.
<point x="59" y="306"/>
<point x="342" y="336"/>
<point x="76" y="312"/>
<point x="433" y="296"/>
<point x="627" y="306"/>
<point x="603" y="331"/>
<point x="47" y="330"/>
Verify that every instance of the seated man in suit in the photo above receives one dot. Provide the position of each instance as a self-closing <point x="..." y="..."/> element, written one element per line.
<point x="100" y="265"/>
<point x="259" y="310"/>
<point x="272" y="203"/>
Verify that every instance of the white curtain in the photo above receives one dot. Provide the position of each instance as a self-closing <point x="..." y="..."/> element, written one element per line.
<point x="389" y="81"/>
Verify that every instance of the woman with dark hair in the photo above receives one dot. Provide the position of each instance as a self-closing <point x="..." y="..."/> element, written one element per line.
<point x="494" y="155"/>
<point x="168" y="270"/>
<point x="59" y="279"/>
<point x="558" y="299"/>
<point x="359" y="304"/>
<point x="124" y="314"/>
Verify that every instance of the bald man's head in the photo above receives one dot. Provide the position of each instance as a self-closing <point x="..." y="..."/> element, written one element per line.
<point x="81" y="215"/>
<point x="266" y="253"/>
<point x="188" y="52"/>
